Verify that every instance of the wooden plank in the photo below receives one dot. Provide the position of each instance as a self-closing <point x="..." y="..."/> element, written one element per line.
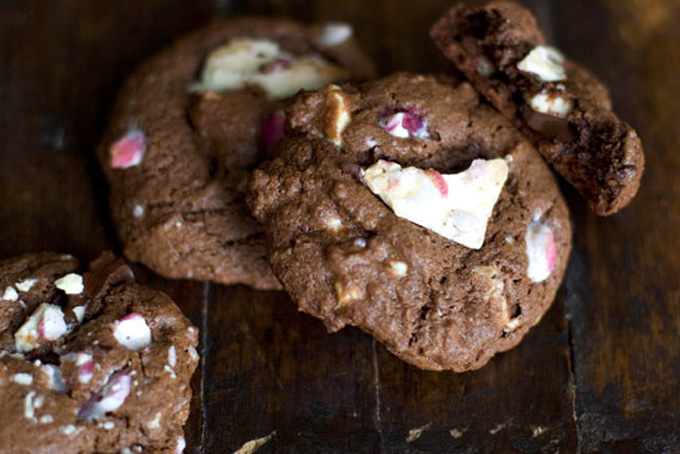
<point x="272" y="369"/>
<point x="623" y="293"/>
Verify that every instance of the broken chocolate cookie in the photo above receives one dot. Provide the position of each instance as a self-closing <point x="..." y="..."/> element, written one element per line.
<point x="560" y="106"/>
<point x="92" y="362"/>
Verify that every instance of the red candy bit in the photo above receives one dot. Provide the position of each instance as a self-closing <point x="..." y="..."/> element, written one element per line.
<point x="404" y="123"/>
<point x="272" y="128"/>
<point x="276" y="65"/>
<point x="86" y="371"/>
<point x="438" y="181"/>
<point x="129" y="150"/>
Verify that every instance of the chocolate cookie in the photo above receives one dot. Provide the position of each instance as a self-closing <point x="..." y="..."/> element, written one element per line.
<point x="90" y="363"/>
<point x="563" y="109"/>
<point x="188" y="127"/>
<point x="412" y="210"/>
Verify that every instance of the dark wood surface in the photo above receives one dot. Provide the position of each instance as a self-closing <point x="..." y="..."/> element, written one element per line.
<point x="600" y="374"/>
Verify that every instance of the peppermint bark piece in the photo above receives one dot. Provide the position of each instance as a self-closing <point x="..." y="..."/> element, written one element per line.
<point x="559" y="105"/>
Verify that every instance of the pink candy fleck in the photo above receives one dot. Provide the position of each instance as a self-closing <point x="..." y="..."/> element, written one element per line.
<point x="276" y="65"/>
<point x="108" y="399"/>
<point x="438" y="181"/>
<point x="272" y="128"/>
<point x="550" y="250"/>
<point x="404" y="123"/>
<point x="129" y="150"/>
<point x="86" y="371"/>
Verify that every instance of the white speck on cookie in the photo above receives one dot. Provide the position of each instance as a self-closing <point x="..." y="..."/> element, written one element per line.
<point x="132" y="331"/>
<point x="55" y="381"/>
<point x="456" y="206"/>
<point x="541" y="250"/>
<point x="23" y="378"/>
<point x="72" y="284"/>
<point x="46" y="322"/>
<point x="69" y="429"/>
<point x="155" y="423"/>
<point x="546" y="62"/>
<point x="137" y="211"/>
<point x="29" y="408"/>
<point x="108" y="399"/>
<point x="334" y="224"/>
<point x="484" y="66"/>
<point x="255" y="62"/>
<point x="334" y="33"/>
<point x="46" y="419"/>
<point x="172" y="356"/>
<point x="10" y="294"/>
<point x="169" y="370"/>
<point x="26" y="284"/>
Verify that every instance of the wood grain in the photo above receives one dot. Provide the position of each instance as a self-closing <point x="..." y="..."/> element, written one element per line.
<point x="601" y="373"/>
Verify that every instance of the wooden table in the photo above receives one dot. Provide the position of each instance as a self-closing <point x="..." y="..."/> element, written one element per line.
<point x="600" y="374"/>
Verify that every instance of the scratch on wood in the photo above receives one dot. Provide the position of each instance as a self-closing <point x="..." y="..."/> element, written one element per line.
<point x="537" y="431"/>
<point x="252" y="446"/>
<point x="457" y="433"/>
<point x="415" y="434"/>
<point x="500" y="427"/>
<point x="376" y="372"/>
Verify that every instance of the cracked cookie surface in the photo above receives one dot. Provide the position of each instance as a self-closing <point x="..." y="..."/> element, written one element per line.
<point x="191" y="123"/>
<point x="90" y="363"/>
<point x="351" y="257"/>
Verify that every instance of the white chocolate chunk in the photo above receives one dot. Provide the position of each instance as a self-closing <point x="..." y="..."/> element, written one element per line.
<point x="10" y="294"/>
<point x="348" y="293"/>
<point x="72" y="284"/>
<point x="399" y="269"/>
<point x="26" y="284"/>
<point x="456" y="206"/>
<point x="541" y="250"/>
<point x="546" y="62"/>
<point x="551" y="104"/>
<point x="262" y="63"/>
<point x="334" y="224"/>
<point x="22" y="378"/>
<point x="79" y="312"/>
<point x="46" y="322"/>
<point x="181" y="444"/>
<point x="334" y="33"/>
<point x="512" y="325"/>
<point x="132" y="332"/>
